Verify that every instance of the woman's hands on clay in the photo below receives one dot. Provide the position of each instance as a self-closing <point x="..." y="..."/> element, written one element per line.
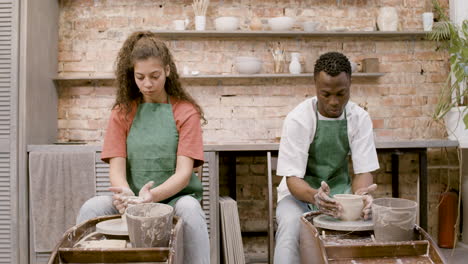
<point x="325" y="203"/>
<point x="121" y="197"/>
<point x="145" y="195"/>
<point x="367" y="198"/>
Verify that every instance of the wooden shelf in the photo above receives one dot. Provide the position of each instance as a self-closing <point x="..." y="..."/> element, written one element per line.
<point x="287" y="34"/>
<point x="223" y="76"/>
<point x="85" y="78"/>
<point x="272" y="75"/>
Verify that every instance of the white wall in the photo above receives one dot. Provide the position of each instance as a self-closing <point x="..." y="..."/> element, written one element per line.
<point x="458" y="10"/>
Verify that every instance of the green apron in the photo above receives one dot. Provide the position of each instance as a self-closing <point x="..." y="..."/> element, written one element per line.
<point x="152" y="150"/>
<point x="328" y="156"/>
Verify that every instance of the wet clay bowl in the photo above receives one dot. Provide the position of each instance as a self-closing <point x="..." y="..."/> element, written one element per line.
<point x="149" y="224"/>
<point x="352" y="206"/>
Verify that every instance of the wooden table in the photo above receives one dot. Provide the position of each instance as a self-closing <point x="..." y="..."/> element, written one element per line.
<point x="396" y="148"/>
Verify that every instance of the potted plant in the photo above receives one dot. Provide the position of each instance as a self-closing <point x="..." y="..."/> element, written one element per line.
<point x="453" y="98"/>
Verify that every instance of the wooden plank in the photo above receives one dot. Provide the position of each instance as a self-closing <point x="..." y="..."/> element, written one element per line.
<point x="75" y="255"/>
<point x="105" y="78"/>
<point x="176" y="255"/>
<point x="65" y="252"/>
<point x="272" y="75"/>
<point x="390" y="144"/>
<point x="288" y="34"/>
<point x="206" y="191"/>
<point x="213" y="160"/>
<point x="434" y="251"/>
<point x="396" y="260"/>
<point x="363" y="250"/>
<point x="242" y="147"/>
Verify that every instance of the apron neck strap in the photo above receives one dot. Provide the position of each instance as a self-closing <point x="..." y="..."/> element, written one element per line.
<point x="317" y="111"/>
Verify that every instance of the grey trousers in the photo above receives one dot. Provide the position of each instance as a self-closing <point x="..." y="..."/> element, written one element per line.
<point x="288" y="215"/>
<point x="196" y="242"/>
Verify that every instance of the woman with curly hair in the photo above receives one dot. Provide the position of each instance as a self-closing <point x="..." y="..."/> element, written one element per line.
<point x="154" y="137"/>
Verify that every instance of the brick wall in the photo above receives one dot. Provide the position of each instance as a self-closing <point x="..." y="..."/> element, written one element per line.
<point x="252" y="111"/>
<point x="91" y="32"/>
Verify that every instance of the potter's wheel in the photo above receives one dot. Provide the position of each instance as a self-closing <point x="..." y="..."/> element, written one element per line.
<point x="328" y="222"/>
<point x="112" y="227"/>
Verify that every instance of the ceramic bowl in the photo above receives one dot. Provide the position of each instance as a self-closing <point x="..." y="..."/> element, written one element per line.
<point x="226" y="23"/>
<point x="248" y="65"/>
<point x="281" y="23"/>
<point x="310" y="26"/>
<point x="352" y="206"/>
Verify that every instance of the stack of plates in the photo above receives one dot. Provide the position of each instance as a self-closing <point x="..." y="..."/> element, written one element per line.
<point x="230" y="232"/>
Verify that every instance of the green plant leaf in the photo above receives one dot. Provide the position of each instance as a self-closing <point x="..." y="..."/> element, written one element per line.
<point x="440" y="31"/>
<point x="465" y="120"/>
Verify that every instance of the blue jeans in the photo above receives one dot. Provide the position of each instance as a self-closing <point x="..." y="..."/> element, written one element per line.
<point x="196" y="242"/>
<point x="288" y="215"/>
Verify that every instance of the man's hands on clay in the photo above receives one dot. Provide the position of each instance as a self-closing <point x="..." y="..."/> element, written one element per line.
<point x="325" y="203"/>
<point x="367" y="198"/>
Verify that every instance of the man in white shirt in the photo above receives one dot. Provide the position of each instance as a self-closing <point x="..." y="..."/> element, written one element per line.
<point x="318" y="135"/>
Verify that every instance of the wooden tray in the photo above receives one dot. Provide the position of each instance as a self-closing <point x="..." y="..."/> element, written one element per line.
<point x="67" y="251"/>
<point x="343" y="247"/>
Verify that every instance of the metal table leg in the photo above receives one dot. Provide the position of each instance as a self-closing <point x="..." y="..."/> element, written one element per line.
<point x="423" y="189"/>
<point x="395" y="174"/>
<point x="271" y="232"/>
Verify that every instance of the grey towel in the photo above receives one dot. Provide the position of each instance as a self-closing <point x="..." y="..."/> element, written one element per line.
<point x="60" y="182"/>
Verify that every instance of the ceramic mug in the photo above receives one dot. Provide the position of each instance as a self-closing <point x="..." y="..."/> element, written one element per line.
<point x="180" y="24"/>
<point x="352" y="206"/>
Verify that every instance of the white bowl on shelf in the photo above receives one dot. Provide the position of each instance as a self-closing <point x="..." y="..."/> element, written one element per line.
<point x="248" y="65"/>
<point x="226" y="23"/>
<point x="283" y="23"/>
<point x="310" y="26"/>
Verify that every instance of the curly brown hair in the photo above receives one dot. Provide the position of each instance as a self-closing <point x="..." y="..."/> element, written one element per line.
<point x="142" y="45"/>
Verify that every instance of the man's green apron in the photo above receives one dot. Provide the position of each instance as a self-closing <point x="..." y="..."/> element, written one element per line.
<point x="152" y="150"/>
<point x="328" y="156"/>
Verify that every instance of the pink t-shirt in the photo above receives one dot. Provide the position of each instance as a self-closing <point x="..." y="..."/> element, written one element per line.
<point x="187" y="121"/>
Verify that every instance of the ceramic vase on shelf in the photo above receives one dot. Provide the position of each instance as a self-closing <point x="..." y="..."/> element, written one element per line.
<point x="200" y="22"/>
<point x="387" y="20"/>
<point x="295" y="65"/>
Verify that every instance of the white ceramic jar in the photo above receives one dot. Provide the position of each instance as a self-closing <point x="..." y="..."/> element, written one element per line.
<point x="295" y="65"/>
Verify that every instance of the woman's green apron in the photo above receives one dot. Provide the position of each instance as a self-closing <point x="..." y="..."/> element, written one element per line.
<point x="328" y="156"/>
<point x="152" y="150"/>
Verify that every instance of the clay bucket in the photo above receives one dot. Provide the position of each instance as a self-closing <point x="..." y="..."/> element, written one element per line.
<point x="149" y="224"/>
<point x="394" y="219"/>
<point x="352" y="206"/>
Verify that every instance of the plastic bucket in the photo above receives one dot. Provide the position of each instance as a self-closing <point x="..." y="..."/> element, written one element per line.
<point x="149" y="224"/>
<point x="394" y="219"/>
